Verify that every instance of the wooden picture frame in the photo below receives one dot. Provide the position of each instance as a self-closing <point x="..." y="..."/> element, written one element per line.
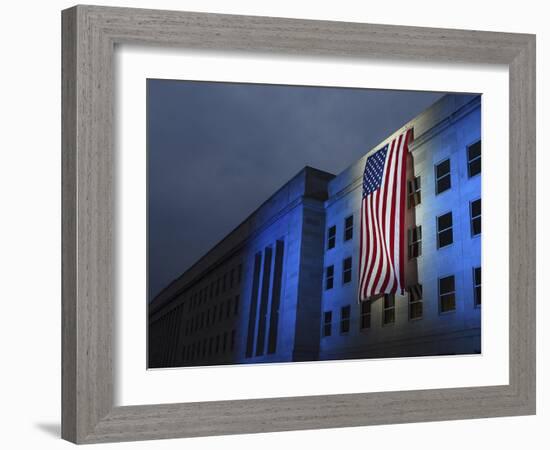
<point x="89" y="37"/>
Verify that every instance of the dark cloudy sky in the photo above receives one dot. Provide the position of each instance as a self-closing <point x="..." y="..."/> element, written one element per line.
<point x="216" y="151"/>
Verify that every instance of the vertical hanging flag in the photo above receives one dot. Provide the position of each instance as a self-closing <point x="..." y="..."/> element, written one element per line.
<point x="382" y="240"/>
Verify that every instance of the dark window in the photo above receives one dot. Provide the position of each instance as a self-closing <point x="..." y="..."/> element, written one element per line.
<point x="233" y="332"/>
<point x="443" y="176"/>
<point x="331" y="240"/>
<point x="329" y="278"/>
<point x="348" y="228"/>
<point x="477" y="286"/>
<point x="253" y="305"/>
<point x="220" y="316"/>
<point x="224" y="344"/>
<point x="217" y="344"/>
<point x="365" y="314"/>
<point x="210" y="345"/>
<point x="475" y="217"/>
<point x="415" y="242"/>
<point x="474" y="159"/>
<point x="415" y="302"/>
<point x="327" y="323"/>
<point x="214" y="311"/>
<point x="228" y="309"/>
<point x="224" y="282"/>
<point x="445" y="230"/>
<point x="414" y="192"/>
<point x="231" y="277"/>
<point x="217" y="287"/>
<point x="344" y="319"/>
<point x="388" y="312"/>
<point x="346" y="270"/>
<point x="275" y="298"/>
<point x="447" y="294"/>
<point x="264" y="301"/>
<point x="239" y="273"/>
<point x="236" y="307"/>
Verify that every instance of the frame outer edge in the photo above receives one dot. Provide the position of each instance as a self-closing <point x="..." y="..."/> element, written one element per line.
<point x="522" y="283"/>
<point x="68" y="224"/>
<point x="89" y="33"/>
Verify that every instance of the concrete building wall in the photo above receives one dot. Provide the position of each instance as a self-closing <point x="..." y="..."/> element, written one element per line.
<point x="443" y="131"/>
<point x="276" y="259"/>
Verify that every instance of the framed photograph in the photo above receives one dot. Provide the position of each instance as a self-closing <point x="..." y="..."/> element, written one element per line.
<point x="278" y="224"/>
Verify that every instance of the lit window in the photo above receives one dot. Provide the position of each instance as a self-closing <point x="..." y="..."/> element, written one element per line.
<point x="475" y="217"/>
<point x="329" y="279"/>
<point x="365" y="314"/>
<point x="344" y="319"/>
<point x="415" y="242"/>
<point x="388" y="313"/>
<point x="327" y="323"/>
<point x="445" y="230"/>
<point x="348" y="228"/>
<point x="443" y="176"/>
<point x="414" y="193"/>
<point x="474" y="159"/>
<point x="331" y="240"/>
<point x="447" y="294"/>
<point x="415" y="302"/>
<point x="477" y="286"/>
<point x="346" y="270"/>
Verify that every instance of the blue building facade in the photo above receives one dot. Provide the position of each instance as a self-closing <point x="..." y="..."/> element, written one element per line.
<point x="282" y="286"/>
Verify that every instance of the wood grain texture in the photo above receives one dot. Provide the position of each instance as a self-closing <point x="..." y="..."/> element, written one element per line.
<point x="89" y="36"/>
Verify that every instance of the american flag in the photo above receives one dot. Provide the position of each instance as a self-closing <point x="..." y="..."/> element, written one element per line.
<point x="382" y="240"/>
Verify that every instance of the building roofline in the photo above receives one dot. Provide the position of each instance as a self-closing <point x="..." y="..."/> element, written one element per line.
<point x="304" y="172"/>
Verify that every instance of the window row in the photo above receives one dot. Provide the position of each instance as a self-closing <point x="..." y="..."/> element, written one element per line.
<point x="446" y="300"/>
<point x="347" y="235"/>
<point x="443" y="169"/>
<point x="208" y="347"/>
<point x="221" y="285"/>
<point x="444" y="227"/>
<point x="443" y="175"/>
<point x="211" y="316"/>
<point x="346" y="273"/>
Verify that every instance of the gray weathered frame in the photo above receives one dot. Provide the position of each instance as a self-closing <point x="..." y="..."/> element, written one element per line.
<point x="89" y="36"/>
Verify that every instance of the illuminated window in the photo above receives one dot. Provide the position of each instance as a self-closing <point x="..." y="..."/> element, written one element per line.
<point x="447" y="294"/>
<point x="445" y="230"/>
<point x="414" y="192"/>
<point x="388" y="312"/>
<point x="475" y="217"/>
<point x="346" y="270"/>
<point x="348" y="228"/>
<point x="327" y="323"/>
<point x="443" y="176"/>
<point x="345" y="319"/>
<point x="329" y="278"/>
<point x="331" y="240"/>
<point x="477" y="286"/>
<point x="474" y="159"/>
<point x="365" y="315"/>
<point x="415" y="242"/>
<point x="415" y="302"/>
